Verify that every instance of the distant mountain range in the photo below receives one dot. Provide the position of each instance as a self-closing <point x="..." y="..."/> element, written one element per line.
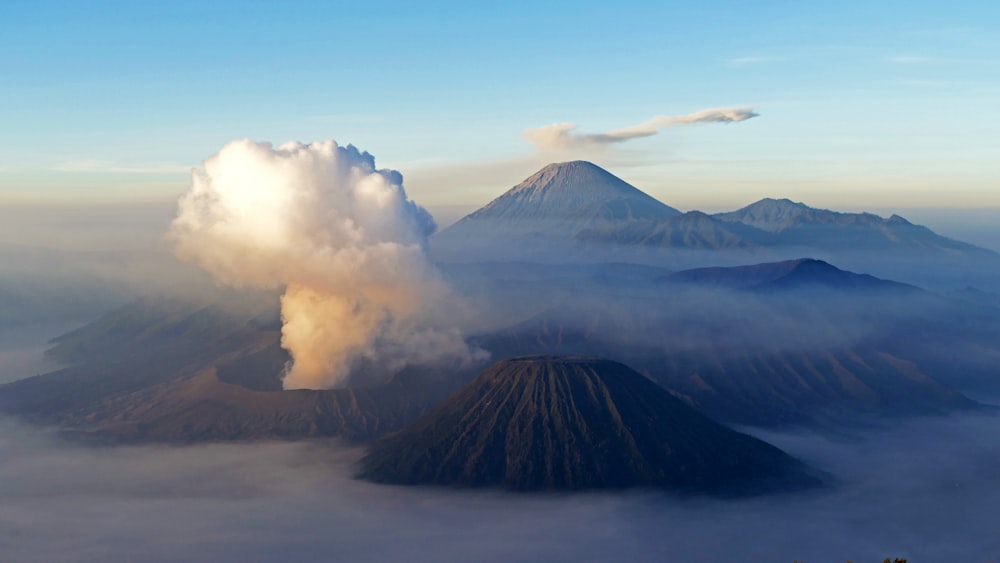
<point x="581" y="200"/>
<point x="796" y="224"/>
<point x="576" y="211"/>
<point x="775" y="223"/>
<point x="566" y="423"/>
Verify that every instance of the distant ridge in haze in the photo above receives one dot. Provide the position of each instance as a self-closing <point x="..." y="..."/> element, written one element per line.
<point x="579" y="212"/>
<point x="776" y="224"/>
<point x="693" y="230"/>
<point x="796" y="224"/>
<point x="803" y="273"/>
<point x="567" y="423"/>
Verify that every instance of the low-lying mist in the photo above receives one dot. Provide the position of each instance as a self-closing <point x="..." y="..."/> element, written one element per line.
<point x="71" y="263"/>
<point x="925" y="490"/>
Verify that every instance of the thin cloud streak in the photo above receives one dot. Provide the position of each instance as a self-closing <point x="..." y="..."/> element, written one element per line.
<point x="563" y="136"/>
<point x="437" y="183"/>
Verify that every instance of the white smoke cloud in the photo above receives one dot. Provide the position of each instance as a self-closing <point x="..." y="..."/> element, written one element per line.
<point x="563" y="136"/>
<point x="339" y="236"/>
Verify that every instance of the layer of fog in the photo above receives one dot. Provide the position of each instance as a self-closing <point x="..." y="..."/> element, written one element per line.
<point x="636" y="306"/>
<point x="938" y="271"/>
<point x="925" y="490"/>
<point x="71" y="264"/>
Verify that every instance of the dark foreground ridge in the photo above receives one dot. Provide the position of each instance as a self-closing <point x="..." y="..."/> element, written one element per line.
<point x="546" y="423"/>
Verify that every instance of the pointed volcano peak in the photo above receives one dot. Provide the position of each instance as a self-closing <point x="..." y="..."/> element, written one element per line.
<point x="574" y="175"/>
<point x="552" y="206"/>
<point x="578" y="191"/>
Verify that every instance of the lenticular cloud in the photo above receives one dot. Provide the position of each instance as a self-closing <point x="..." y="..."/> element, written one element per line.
<point x="343" y="241"/>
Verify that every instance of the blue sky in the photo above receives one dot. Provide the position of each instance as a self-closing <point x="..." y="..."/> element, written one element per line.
<point x="880" y="106"/>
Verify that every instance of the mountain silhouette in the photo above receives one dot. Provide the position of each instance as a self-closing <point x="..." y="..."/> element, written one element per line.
<point x="564" y="423"/>
<point x="803" y="273"/>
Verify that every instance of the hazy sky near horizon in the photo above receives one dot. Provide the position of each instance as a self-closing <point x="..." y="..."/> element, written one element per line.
<point x="883" y="105"/>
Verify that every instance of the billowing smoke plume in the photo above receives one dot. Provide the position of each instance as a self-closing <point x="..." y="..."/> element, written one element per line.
<point x="562" y="136"/>
<point x="339" y="236"/>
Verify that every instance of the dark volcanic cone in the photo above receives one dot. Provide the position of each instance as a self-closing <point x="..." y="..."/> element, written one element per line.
<point x="565" y="423"/>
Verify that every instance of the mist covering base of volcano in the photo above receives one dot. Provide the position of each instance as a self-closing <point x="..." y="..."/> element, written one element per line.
<point x="923" y="489"/>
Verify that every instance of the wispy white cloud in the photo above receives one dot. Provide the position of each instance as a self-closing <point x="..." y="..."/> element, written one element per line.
<point x="436" y="182"/>
<point x="563" y="136"/>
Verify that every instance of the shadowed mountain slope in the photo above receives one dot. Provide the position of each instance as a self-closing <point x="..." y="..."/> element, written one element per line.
<point x="566" y="423"/>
